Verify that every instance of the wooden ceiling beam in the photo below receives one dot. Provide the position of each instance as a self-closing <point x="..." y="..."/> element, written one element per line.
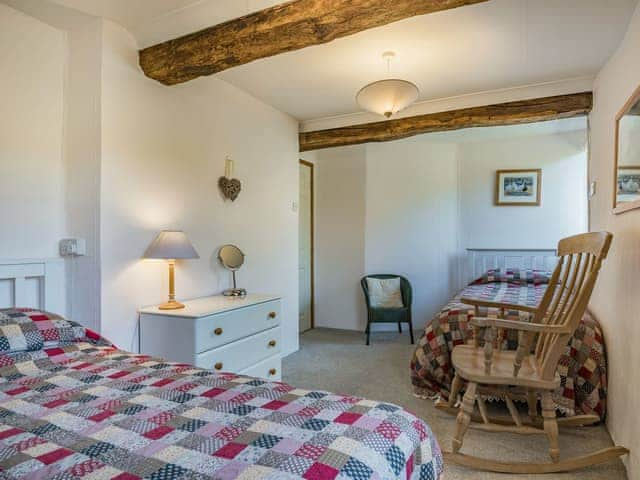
<point x="282" y="28"/>
<point x="511" y="113"/>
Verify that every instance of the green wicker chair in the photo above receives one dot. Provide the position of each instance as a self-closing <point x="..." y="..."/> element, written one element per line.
<point x="389" y="315"/>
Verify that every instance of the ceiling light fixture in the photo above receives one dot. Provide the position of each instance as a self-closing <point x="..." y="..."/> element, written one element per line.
<point x="386" y="97"/>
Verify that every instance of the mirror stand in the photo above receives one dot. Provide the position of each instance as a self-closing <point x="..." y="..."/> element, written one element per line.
<point x="235" y="291"/>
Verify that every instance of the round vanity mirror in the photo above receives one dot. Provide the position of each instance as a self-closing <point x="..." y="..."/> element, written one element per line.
<point x="232" y="259"/>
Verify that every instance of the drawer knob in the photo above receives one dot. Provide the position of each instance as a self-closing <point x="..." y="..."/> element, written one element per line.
<point x="218" y="366"/>
<point x="272" y="343"/>
<point x="272" y="371"/>
<point x="218" y="331"/>
<point x="273" y="314"/>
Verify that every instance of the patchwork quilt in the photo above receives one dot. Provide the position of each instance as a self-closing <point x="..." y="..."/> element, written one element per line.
<point x="72" y="406"/>
<point x="582" y="367"/>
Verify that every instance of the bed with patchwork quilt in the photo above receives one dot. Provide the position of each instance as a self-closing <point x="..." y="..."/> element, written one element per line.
<point x="73" y="406"/>
<point x="582" y="367"/>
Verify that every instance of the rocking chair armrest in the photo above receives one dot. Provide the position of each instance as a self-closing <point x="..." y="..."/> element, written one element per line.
<point x="477" y="302"/>
<point x="484" y="322"/>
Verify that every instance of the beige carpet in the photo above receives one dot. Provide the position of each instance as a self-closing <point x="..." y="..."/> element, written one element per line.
<point x="338" y="361"/>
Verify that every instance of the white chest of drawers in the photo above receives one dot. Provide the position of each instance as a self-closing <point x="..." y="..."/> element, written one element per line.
<point x="227" y="334"/>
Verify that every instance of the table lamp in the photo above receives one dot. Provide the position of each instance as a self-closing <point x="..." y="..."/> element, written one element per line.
<point x="171" y="245"/>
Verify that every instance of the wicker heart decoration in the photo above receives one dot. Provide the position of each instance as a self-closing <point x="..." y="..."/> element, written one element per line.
<point x="230" y="187"/>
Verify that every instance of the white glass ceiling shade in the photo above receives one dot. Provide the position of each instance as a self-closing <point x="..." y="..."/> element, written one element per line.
<point x="386" y="97"/>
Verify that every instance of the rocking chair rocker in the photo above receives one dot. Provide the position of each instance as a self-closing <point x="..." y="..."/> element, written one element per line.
<point x="525" y="372"/>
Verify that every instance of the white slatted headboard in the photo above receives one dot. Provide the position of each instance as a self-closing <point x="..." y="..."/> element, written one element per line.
<point x="38" y="283"/>
<point x="479" y="260"/>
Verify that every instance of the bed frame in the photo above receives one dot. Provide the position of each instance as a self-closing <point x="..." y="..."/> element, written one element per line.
<point x="479" y="260"/>
<point x="33" y="283"/>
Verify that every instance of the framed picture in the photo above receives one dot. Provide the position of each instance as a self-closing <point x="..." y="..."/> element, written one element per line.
<point x="518" y="187"/>
<point x="628" y="189"/>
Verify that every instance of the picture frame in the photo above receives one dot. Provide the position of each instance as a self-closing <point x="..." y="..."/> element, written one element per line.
<point x="628" y="184"/>
<point x="518" y="188"/>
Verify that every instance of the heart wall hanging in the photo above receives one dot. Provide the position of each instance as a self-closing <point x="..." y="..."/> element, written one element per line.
<point x="230" y="187"/>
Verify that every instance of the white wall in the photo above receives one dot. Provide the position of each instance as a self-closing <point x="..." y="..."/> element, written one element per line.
<point x="384" y="208"/>
<point x="163" y="149"/>
<point x="340" y="233"/>
<point x="32" y="198"/>
<point x="49" y="143"/>
<point x="412" y="206"/>
<point x="94" y="149"/>
<point x="411" y="218"/>
<point x="83" y="101"/>
<point x="616" y="301"/>
<point x="563" y="212"/>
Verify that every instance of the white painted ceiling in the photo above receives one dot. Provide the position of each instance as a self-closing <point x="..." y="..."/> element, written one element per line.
<point x="484" y="47"/>
<point x="154" y="21"/>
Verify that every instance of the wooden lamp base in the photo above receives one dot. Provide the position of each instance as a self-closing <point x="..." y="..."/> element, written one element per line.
<point x="172" y="304"/>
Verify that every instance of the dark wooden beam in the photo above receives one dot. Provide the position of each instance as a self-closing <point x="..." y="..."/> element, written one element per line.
<point x="278" y="29"/>
<point x="511" y="113"/>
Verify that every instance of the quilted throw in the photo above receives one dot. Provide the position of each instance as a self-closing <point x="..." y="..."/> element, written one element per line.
<point x="582" y="367"/>
<point x="82" y="409"/>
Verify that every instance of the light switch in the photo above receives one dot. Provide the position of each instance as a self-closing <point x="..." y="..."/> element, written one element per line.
<point x="592" y="188"/>
<point x="73" y="247"/>
<point x="294" y="206"/>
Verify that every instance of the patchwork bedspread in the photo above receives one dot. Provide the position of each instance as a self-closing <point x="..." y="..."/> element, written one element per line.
<point x="73" y="406"/>
<point x="582" y="368"/>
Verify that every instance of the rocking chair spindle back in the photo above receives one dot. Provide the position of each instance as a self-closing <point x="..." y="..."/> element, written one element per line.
<point x="567" y="297"/>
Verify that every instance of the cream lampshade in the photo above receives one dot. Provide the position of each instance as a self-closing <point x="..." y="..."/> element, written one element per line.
<point x="171" y="245"/>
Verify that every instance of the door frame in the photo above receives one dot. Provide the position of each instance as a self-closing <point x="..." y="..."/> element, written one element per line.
<point x="312" y="246"/>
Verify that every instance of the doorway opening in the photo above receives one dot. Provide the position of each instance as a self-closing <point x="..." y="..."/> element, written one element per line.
<point x="305" y="247"/>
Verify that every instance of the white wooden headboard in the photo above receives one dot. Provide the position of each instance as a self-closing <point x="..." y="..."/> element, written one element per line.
<point x="37" y="283"/>
<point x="479" y="260"/>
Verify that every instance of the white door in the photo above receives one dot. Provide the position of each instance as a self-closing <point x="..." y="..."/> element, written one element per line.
<point x="305" y="243"/>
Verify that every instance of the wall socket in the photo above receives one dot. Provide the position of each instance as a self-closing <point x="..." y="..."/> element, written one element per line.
<point x="73" y="247"/>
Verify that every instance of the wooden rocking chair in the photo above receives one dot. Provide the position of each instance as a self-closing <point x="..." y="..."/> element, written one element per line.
<point x="529" y="373"/>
